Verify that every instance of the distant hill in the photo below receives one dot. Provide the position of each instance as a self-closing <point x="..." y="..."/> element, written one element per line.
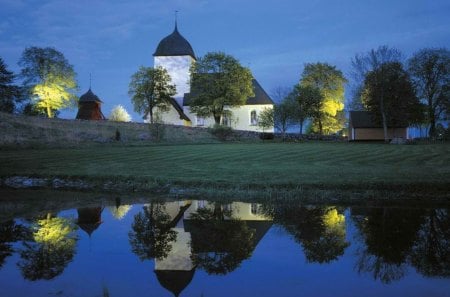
<point x="33" y="131"/>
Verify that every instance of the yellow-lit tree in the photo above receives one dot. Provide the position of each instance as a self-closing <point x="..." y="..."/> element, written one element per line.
<point x="330" y="82"/>
<point x="49" y="78"/>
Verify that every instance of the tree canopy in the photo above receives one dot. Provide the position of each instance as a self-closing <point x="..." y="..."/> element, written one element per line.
<point x="9" y="93"/>
<point x="151" y="88"/>
<point x="330" y="82"/>
<point x="389" y="94"/>
<point x="430" y="71"/>
<point x="50" y="79"/>
<point x="307" y="102"/>
<point x="218" y="81"/>
<point x="119" y="114"/>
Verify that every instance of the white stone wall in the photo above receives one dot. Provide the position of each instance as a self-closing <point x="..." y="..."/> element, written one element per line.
<point x="178" y="68"/>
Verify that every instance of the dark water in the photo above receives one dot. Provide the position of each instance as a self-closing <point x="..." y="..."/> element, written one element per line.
<point x="197" y="248"/>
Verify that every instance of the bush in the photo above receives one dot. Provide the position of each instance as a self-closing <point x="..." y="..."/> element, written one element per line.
<point x="221" y="132"/>
<point x="266" y="136"/>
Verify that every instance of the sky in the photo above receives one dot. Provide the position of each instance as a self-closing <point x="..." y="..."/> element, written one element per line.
<point x="111" y="39"/>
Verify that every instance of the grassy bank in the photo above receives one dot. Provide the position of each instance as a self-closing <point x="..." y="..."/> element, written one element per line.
<point x="25" y="131"/>
<point x="253" y="167"/>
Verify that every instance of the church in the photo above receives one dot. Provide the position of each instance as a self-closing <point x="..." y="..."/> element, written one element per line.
<point x="175" y="54"/>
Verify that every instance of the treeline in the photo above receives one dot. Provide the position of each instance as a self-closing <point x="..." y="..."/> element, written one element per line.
<point x="397" y="91"/>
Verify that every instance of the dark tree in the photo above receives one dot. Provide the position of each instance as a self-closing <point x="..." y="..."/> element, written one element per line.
<point x="364" y="63"/>
<point x="10" y="232"/>
<point x="430" y="70"/>
<point x="218" y="81"/>
<point x="431" y="254"/>
<point x="151" y="236"/>
<point x="307" y="103"/>
<point x="390" y="95"/>
<point x="387" y="237"/>
<point x="10" y="94"/>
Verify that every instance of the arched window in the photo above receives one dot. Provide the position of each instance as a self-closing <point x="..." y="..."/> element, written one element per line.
<point x="253" y="118"/>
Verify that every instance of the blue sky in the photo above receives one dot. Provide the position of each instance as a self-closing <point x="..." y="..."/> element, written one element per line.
<point x="111" y="39"/>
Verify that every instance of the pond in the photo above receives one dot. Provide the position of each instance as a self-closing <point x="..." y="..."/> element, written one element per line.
<point x="111" y="246"/>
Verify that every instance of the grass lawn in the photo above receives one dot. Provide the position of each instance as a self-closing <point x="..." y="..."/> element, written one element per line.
<point x="276" y="165"/>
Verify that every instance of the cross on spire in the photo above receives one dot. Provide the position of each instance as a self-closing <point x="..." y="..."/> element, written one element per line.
<point x="176" y="19"/>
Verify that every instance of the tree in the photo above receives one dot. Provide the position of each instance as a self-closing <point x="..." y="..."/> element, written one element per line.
<point x="52" y="248"/>
<point x="365" y="63"/>
<point x="282" y="110"/>
<point x="430" y="71"/>
<point x="9" y="93"/>
<point x="151" y="88"/>
<point x="218" y="81"/>
<point x="266" y="118"/>
<point x="389" y="94"/>
<point x="119" y="114"/>
<point x="307" y="102"/>
<point x="330" y="82"/>
<point x="49" y="78"/>
<point x="151" y="236"/>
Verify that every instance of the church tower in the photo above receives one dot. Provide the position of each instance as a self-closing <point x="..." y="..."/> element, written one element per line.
<point x="175" y="54"/>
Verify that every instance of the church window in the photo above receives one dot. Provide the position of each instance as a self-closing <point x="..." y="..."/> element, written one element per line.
<point x="253" y="118"/>
<point x="254" y="208"/>
<point x="200" y="121"/>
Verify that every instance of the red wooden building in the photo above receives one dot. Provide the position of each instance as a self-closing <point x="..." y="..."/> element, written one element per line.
<point x="89" y="107"/>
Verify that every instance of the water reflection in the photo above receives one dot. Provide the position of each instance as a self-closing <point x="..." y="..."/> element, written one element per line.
<point x="50" y="248"/>
<point x="181" y="239"/>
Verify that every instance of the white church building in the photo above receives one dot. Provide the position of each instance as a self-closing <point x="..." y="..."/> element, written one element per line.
<point x="175" y="54"/>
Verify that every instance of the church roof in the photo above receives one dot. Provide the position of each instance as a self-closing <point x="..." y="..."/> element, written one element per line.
<point x="89" y="96"/>
<point x="260" y="97"/>
<point x="174" y="45"/>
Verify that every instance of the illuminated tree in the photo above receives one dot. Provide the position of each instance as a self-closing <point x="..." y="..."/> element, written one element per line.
<point x="52" y="248"/>
<point x="219" y="245"/>
<point x="151" y="236"/>
<point x="218" y="81"/>
<point x="330" y="82"/>
<point x="430" y="70"/>
<point x="390" y="95"/>
<point x="119" y="114"/>
<point x="49" y="78"/>
<point x="151" y="88"/>
<point x="9" y="93"/>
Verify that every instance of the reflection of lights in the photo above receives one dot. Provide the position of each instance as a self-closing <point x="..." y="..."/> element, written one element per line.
<point x="119" y="212"/>
<point x="53" y="230"/>
<point x="333" y="220"/>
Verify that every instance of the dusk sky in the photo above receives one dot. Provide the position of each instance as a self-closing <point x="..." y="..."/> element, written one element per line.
<point x="111" y="39"/>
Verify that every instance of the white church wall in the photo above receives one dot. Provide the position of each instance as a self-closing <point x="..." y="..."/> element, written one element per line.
<point x="178" y="69"/>
<point x="167" y="117"/>
<point x="240" y="118"/>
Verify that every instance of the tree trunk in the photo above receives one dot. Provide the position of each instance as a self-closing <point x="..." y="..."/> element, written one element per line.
<point x="151" y="115"/>
<point x="432" y="131"/>
<point x="49" y="112"/>
<point x="320" y="126"/>
<point x="217" y="119"/>
<point x="301" y="128"/>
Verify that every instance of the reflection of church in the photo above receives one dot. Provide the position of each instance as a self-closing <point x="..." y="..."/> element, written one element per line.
<point x="176" y="271"/>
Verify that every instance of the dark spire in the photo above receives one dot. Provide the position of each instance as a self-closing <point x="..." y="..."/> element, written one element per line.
<point x="176" y="20"/>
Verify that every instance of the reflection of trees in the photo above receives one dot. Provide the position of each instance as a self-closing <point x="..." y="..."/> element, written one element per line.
<point x="219" y="242"/>
<point x="151" y="234"/>
<point x="431" y="253"/>
<point x="319" y="229"/>
<point x="388" y="235"/>
<point x="10" y="232"/>
<point x="52" y="248"/>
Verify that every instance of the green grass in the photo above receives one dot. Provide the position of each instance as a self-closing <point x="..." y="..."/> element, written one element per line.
<point x="252" y="166"/>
